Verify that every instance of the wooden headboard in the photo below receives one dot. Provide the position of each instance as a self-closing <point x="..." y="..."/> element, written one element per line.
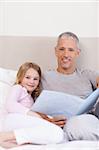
<point x="16" y="50"/>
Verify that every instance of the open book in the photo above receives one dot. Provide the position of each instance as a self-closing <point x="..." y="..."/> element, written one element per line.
<point x="57" y="103"/>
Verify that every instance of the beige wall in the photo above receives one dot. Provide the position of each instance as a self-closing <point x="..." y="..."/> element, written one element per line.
<point x="16" y="50"/>
<point x="49" y="18"/>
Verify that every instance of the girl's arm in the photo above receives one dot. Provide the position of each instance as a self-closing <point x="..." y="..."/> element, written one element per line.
<point x="13" y="105"/>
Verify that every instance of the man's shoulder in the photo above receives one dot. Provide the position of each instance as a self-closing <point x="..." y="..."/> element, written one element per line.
<point x="88" y="71"/>
<point x="49" y="72"/>
<point x="84" y="71"/>
<point x="89" y="74"/>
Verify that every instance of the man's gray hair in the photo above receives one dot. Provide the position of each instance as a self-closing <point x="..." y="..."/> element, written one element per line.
<point x="69" y="35"/>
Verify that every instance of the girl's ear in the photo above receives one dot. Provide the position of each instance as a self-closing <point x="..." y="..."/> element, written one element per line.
<point x="56" y="50"/>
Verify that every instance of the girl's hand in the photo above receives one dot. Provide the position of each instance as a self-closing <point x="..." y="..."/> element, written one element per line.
<point x="31" y="113"/>
<point x="44" y="116"/>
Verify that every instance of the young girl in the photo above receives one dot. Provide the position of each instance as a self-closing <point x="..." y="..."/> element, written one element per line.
<point x="25" y="91"/>
<point x="21" y="124"/>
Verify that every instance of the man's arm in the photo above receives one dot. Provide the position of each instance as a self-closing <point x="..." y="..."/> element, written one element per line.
<point x="97" y="82"/>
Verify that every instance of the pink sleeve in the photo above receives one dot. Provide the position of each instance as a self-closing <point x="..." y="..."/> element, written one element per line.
<point x="12" y="104"/>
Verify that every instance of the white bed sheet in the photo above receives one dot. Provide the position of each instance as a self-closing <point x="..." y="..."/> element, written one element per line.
<point x="73" y="145"/>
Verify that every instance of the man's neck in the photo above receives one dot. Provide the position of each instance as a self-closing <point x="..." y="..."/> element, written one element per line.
<point x="66" y="71"/>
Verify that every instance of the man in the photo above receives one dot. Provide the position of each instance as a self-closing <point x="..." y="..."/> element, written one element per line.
<point x="69" y="79"/>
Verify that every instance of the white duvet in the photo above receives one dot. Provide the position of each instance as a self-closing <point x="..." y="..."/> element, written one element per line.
<point x="74" y="145"/>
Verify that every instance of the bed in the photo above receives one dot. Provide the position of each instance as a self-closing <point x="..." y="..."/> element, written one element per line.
<point x="17" y="50"/>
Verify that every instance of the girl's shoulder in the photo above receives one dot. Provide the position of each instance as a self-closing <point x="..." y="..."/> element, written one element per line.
<point x="17" y="87"/>
<point x="20" y="88"/>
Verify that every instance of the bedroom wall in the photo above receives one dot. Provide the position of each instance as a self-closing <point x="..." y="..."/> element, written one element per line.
<point x="16" y="50"/>
<point x="28" y="30"/>
<point x="28" y="18"/>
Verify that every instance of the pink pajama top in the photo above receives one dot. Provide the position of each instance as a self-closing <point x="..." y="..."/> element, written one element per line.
<point x="19" y="100"/>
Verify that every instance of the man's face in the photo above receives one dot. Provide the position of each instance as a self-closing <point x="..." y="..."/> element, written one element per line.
<point x="66" y="53"/>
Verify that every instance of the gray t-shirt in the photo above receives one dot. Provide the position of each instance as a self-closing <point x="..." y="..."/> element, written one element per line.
<point x="80" y="83"/>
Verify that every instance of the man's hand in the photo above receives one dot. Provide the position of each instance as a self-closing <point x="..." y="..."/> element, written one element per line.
<point x="97" y="82"/>
<point x="59" y="120"/>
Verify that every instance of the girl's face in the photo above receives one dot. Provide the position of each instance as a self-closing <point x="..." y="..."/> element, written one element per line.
<point x="30" y="80"/>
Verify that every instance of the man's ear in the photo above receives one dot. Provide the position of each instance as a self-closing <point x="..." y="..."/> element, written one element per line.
<point x="78" y="52"/>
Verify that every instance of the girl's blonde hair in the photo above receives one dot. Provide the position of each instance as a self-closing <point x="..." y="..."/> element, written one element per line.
<point x="21" y="73"/>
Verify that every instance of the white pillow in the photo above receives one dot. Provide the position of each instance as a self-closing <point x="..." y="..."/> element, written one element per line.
<point x="7" y="75"/>
<point x="4" y="90"/>
<point x="7" y="79"/>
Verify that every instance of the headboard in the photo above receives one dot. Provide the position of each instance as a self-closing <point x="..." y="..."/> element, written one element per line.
<point x="16" y="50"/>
